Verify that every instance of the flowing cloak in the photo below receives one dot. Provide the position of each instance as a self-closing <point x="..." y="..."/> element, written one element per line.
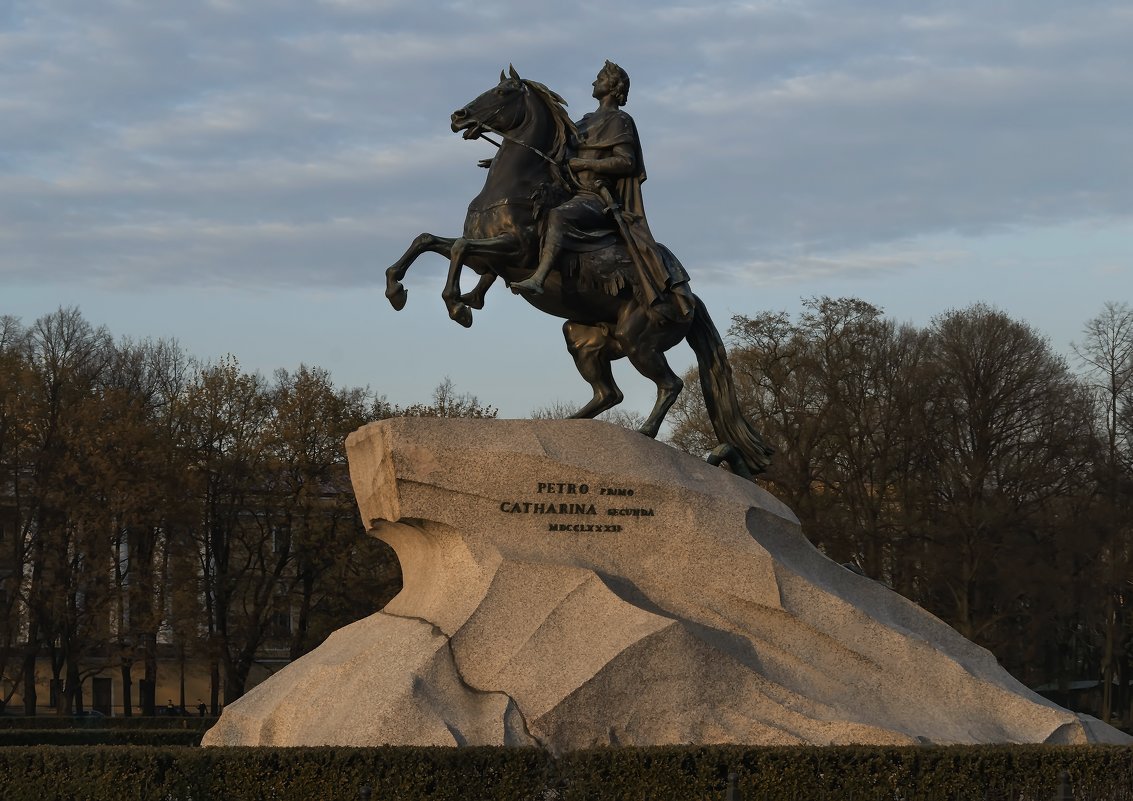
<point x="603" y="131"/>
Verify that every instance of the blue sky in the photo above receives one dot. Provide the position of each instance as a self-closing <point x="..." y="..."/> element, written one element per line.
<point x="237" y="175"/>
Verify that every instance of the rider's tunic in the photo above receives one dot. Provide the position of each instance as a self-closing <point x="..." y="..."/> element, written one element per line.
<point x="583" y="224"/>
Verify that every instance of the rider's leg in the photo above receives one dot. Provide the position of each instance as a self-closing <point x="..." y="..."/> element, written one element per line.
<point x="552" y="246"/>
<point x="583" y="212"/>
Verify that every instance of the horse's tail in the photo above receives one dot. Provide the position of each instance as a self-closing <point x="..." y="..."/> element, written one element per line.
<point x="738" y="438"/>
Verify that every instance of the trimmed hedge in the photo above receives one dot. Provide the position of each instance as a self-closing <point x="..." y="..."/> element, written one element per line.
<point x="995" y="773"/>
<point x="863" y="773"/>
<point x="284" y="774"/>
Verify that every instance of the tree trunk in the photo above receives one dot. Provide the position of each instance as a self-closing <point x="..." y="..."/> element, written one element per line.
<point x="57" y="665"/>
<point x="182" y="699"/>
<point x="1107" y="658"/>
<point x="72" y="690"/>
<point x="1121" y="701"/>
<point x="299" y="637"/>
<point x="127" y="689"/>
<point x="235" y="677"/>
<point x="29" y="677"/>
<point x="148" y="691"/>
<point x="214" y="682"/>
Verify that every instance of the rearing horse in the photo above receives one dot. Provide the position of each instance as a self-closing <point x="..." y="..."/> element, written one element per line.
<point x="605" y="319"/>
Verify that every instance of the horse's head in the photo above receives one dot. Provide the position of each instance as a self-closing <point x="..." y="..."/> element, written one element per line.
<point x="502" y="108"/>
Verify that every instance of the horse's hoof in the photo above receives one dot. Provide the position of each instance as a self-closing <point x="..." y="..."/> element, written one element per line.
<point x="397" y="297"/>
<point x="472" y="302"/>
<point x="649" y="431"/>
<point x="462" y="314"/>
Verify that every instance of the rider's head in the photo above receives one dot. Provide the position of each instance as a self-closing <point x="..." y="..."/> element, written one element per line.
<point x="618" y="80"/>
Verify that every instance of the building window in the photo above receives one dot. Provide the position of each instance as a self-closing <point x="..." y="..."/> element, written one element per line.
<point x="280" y="622"/>
<point x="280" y="538"/>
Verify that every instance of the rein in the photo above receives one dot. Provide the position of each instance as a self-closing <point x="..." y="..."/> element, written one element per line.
<point x="515" y="141"/>
<point x="507" y="201"/>
<point x="567" y="182"/>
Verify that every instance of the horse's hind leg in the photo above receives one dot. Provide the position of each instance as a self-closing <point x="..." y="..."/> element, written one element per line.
<point x="644" y="344"/>
<point x="654" y="366"/>
<point x="591" y="345"/>
<point x="424" y="243"/>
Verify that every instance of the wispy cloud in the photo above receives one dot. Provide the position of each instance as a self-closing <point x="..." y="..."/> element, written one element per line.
<point x="801" y="268"/>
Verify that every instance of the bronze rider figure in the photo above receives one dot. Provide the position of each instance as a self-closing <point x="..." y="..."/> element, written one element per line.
<point x="609" y="170"/>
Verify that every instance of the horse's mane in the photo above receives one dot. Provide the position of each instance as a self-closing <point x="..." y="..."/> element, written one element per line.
<point x="565" y="131"/>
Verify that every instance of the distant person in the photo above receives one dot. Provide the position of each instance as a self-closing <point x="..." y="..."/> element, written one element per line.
<point x="202" y="709"/>
<point x="170" y="709"/>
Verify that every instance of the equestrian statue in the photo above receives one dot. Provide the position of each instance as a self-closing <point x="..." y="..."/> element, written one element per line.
<point x="561" y="220"/>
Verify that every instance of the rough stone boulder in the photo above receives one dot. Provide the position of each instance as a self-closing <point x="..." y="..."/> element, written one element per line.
<point x="571" y="584"/>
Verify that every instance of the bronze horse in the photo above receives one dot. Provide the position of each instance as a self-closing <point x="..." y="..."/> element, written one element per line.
<point x="605" y="319"/>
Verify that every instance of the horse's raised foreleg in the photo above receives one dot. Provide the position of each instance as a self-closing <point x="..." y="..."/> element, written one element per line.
<point x="589" y="345"/>
<point x="424" y="243"/>
<point x="475" y="298"/>
<point x="462" y="249"/>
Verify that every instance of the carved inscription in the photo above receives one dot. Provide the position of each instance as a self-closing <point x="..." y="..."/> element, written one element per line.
<point x="601" y="509"/>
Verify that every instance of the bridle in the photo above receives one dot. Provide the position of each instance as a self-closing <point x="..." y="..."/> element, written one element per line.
<point x="567" y="181"/>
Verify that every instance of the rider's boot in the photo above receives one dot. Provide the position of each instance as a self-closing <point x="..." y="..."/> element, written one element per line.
<point x="534" y="284"/>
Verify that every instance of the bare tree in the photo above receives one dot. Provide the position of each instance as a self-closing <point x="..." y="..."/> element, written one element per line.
<point x="1106" y="351"/>
<point x="308" y="477"/>
<point x="228" y="414"/>
<point x="1008" y="436"/>
<point x="143" y="469"/>
<point x="15" y="378"/>
<point x="67" y="357"/>
<point x="447" y="402"/>
<point x="948" y="461"/>
<point x="561" y="410"/>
